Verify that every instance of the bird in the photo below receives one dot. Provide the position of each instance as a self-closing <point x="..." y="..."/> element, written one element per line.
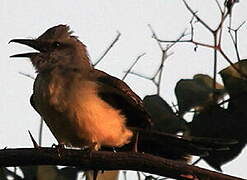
<point x="82" y="106"/>
<point x="87" y="107"/>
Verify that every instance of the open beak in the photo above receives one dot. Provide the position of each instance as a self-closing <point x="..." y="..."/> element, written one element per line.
<point x="28" y="55"/>
<point x="31" y="43"/>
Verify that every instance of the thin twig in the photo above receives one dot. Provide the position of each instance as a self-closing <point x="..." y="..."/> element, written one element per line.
<point x="197" y="17"/>
<point x="125" y="175"/>
<point x="27" y="75"/>
<point x="132" y="66"/>
<point x="138" y="175"/>
<point x="155" y="37"/>
<point x="165" y="55"/>
<point x="108" y="49"/>
<point x="220" y="8"/>
<point x="35" y="145"/>
<point x="41" y="130"/>
<point x="229" y="5"/>
<point x="139" y="75"/>
<point x="217" y="42"/>
<point x="235" y="38"/>
<point x="215" y="65"/>
<point x="197" y="161"/>
<point x="232" y="64"/>
<point x="188" y="41"/>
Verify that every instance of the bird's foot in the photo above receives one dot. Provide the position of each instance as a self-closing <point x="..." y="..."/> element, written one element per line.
<point x="59" y="148"/>
<point x="92" y="147"/>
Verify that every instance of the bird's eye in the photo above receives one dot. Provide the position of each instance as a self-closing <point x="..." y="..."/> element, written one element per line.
<point x="56" y="44"/>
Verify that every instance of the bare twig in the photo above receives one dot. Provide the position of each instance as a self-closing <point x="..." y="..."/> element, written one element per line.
<point x="35" y="145"/>
<point x="235" y="38"/>
<point x="131" y="67"/>
<point x="41" y="130"/>
<point x="138" y="175"/>
<point x="229" y="5"/>
<point x="197" y="161"/>
<point x="219" y="6"/>
<point x="157" y="77"/>
<point x="188" y="41"/>
<point x="165" y="55"/>
<point x="125" y="175"/>
<point x="108" y="49"/>
<point x="27" y="75"/>
<point x="155" y="37"/>
<point x="197" y="17"/>
<point x="140" y="75"/>
<point x="217" y="34"/>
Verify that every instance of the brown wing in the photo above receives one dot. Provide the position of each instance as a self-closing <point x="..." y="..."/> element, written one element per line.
<point x="119" y="95"/>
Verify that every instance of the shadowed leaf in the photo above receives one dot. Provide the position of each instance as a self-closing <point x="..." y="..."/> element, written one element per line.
<point x="197" y="93"/>
<point x="70" y="173"/>
<point x="164" y="118"/>
<point x="216" y="122"/>
<point x="3" y="174"/>
<point x="47" y="172"/>
<point x="236" y="85"/>
<point x="29" y="172"/>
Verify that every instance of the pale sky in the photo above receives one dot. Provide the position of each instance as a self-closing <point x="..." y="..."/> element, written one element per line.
<point x="96" y="23"/>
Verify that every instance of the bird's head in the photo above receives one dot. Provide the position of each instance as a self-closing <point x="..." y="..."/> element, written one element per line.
<point x="56" y="47"/>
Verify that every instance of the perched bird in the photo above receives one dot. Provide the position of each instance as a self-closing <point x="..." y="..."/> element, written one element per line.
<point x="86" y="107"/>
<point x="81" y="106"/>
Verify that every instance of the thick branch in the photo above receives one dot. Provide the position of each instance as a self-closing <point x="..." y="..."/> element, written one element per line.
<point x="106" y="161"/>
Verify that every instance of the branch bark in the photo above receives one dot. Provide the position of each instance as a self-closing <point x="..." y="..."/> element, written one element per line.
<point x="103" y="160"/>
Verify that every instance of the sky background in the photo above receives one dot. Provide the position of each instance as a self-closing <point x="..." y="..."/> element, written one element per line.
<point x="96" y="22"/>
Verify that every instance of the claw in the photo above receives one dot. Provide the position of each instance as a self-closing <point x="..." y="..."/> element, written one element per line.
<point x="58" y="147"/>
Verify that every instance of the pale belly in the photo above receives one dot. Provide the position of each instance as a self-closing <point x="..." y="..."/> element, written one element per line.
<point x="83" y="119"/>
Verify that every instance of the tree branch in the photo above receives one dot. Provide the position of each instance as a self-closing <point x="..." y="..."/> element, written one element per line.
<point x="132" y="66"/>
<point x="108" y="49"/>
<point x="103" y="160"/>
<point x="235" y="38"/>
